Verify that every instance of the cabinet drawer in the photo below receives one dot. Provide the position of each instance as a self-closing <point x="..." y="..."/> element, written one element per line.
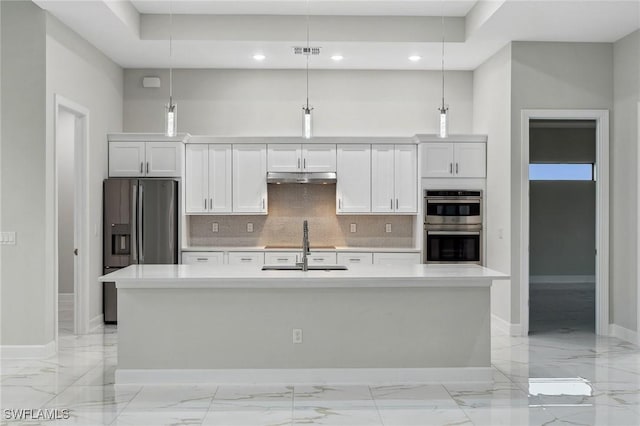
<point x="396" y="258"/>
<point x="322" y="258"/>
<point x="281" y="258"/>
<point x="355" y="258"/>
<point x="208" y="258"/>
<point x="246" y="258"/>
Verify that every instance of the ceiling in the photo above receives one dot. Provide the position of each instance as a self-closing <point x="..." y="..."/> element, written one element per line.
<point x="369" y="34"/>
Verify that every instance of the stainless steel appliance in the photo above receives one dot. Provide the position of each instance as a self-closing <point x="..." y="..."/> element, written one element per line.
<point x="453" y="226"/>
<point x="140" y="227"/>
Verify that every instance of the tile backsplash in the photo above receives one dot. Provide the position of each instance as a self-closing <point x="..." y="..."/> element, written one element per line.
<point x="289" y="205"/>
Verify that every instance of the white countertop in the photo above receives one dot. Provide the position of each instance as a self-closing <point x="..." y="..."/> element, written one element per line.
<point x="244" y="276"/>
<point x="337" y="249"/>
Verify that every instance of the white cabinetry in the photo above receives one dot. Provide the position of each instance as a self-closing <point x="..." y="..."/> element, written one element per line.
<point x="203" y="258"/>
<point x="322" y="258"/>
<point x="301" y="158"/>
<point x="246" y="258"/>
<point x="396" y="258"/>
<point x="394" y="179"/>
<point x="353" y="190"/>
<point x="355" y="258"/>
<point x="250" y="178"/>
<point x="281" y="258"/>
<point x="208" y="178"/>
<point x="454" y="159"/>
<point x="150" y="159"/>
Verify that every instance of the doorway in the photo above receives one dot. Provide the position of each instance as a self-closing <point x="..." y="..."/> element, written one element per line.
<point x="71" y="234"/>
<point x="562" y="225"/>
<point x="595" y="171"/>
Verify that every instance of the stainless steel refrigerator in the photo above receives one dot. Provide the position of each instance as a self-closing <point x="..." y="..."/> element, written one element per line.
<point x="140" y="227"/>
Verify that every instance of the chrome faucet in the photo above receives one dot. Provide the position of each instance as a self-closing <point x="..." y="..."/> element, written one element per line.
<point x="305" y="247"/>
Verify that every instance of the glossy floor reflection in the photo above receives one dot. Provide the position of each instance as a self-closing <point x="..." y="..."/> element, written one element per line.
<point x="570" y="378"/>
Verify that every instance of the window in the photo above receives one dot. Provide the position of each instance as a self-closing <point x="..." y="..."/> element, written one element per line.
<point x="561" y="171"/>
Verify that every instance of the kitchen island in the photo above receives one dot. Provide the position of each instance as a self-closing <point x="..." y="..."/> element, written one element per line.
<point x="367" y="324"/>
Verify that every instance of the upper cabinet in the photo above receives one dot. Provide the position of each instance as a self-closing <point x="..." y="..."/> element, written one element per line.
<point x="394" y="179"/>
<point x="301" y="158"/>
<point x="145" y="159"/>
<point x="208" y="179"/>
<point x="353" y="190"/>
<point x="454" y="159"/>
<point x="250" y="178"/>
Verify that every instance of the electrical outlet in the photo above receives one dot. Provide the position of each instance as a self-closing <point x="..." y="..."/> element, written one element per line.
<point x="215" y="227"/>
<point x="297" y="335"/>
<point x="249" y="227"/>
<point x="500" y="233"/>
<point x="353" y="228"/>
<point x="8" y="238"/>
<point x="387" y="227"/>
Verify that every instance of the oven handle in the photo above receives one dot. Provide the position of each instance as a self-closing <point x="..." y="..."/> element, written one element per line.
<point x="459" y="201"/>
<point x="453" y="232"/>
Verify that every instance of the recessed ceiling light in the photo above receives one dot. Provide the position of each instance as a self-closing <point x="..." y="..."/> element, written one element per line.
<point x="415" y="58"/>
<point x="337" y="57"/>
<point x="259" y="57"/>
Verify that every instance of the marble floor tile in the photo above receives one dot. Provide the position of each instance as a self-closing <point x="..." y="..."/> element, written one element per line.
<point x="418" y="415"/>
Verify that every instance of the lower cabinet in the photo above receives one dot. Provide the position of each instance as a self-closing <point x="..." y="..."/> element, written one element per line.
<point x="322" y="258"/>
<point x="360" y="258"/>
<point x="205" y="258"/>
<point x="246" y="258"/>
<point x="397" y="258"/>
<point x="281" y="258"/>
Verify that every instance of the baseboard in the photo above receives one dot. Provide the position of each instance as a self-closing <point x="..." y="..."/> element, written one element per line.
<point x="562" y="279"/>
<point x="334" y="376"/>
<point x="28" y="351"/>
<point x="623" y="333"/>
<point x="504" y="326"/>
<point x="96" y="322"/>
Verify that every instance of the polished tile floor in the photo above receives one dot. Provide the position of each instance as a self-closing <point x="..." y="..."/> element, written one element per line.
<point x="559" y="378"/>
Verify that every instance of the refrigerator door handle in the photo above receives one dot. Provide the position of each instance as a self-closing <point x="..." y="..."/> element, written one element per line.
<point x="141" y="221"/>
<point x="134" y="223"/>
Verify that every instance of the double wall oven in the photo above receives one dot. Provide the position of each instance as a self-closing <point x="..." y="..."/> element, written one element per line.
<point x="453" y="226"/>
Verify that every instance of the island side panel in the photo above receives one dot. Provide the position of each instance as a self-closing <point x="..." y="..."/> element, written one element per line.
<point x="342" y="328"/>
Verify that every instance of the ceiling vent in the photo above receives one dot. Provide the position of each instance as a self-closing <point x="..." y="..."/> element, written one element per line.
<point x="307" y="51"/>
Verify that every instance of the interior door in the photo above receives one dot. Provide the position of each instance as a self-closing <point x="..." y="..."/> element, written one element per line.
<point x="158" y="229"/>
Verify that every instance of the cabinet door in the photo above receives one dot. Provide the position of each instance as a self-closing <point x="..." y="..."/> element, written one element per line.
<point x="396" y="258"/>
<point x="406" y="179"/>
<point x="202" y="258"/>
<point x="126" y="159"/>
<point x="353" y="190"/>
<point x="284" y="158"/>
<point x="321" y="258"/>
<point x="220" y="178"/>
<point x="196" y="178"/>
<point x="470" y="160"/>
<point x="246" y="258"/>
<point x="163" y="159"/>
<point x="382" y="175"/>
<point x="281" y="258"/>
<point x="355" y="259"/>
<point x="437" y="160"/>
<point x="250" y="178"/>
<point x="318" y="158"/>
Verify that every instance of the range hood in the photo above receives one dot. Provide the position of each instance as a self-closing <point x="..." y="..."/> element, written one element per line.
<point x="321" y="178"/>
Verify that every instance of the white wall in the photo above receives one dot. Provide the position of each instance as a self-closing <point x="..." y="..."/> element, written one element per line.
<point x="491" y="116"/>
<point x="553" y="76"/>
<point x="269" y="102"/>
<point x="624" y="187"/>
<point x="25" y="308"/>
<point x="79" y="72"/>
<point x="66" y="183"/>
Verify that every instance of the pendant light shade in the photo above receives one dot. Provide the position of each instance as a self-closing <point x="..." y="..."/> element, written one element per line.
<point x="307" y="127"/>
<point x="444" y="110"/>
<point x="170" y="109"/>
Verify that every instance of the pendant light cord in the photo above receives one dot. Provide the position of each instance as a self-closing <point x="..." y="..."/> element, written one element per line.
<point x="308" y="54"/>
<point x="443" y="58"/>
<point x="170" y="54"/>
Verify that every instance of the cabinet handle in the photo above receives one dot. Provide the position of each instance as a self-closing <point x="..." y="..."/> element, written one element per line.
<point x="391" y="205"/>
<point x="245" y="259"/>
<point x="304" y="165"/>
<point x="147" y="167"/>
<point x="211" y="203"/>
<point x="354" y="259"/>
<point x="298" y="163"/>
<point x="318" y="259"/>
<point x="456" y="168"/>
<point x="201" y="259"/>
<point x="205" y="204"/>
<point x="141" y="167"/>
<point x="397" y="204"/>
<point x="282" y="259"/>
<point x="339" y="203"/>
<point x="263" y="204"/>
<point x="450" y="168"/>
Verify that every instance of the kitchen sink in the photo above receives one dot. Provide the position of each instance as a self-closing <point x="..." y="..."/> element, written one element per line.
<point x="299" y="268"/>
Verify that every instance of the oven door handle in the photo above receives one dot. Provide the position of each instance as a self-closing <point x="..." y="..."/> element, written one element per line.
<point x="453" y="232"/>
<point x="459" y="201"/>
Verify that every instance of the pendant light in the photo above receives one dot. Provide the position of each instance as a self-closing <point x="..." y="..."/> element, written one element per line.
<point x="171" y="109"/>
<point x="444" y="110"/>
<point x="306" y="109"/>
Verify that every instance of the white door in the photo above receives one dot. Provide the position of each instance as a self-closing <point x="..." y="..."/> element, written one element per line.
<point x="382" y="178"/>
<point x="353" y="190"/>
<point x="220" y="178"/>
<point x="197" y="178"/>
<point x="318" y="158"/>
<point x="250" y="178"/>
<point x="437" y="160"/>
<point x="284" y="158"/>
<point x="470" y="160"/>
<point x="406" y="179"/>
<point x="164" y="159"/>
<point x="126" y="159"/>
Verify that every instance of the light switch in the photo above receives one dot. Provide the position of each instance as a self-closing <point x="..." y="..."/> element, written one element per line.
<point x="215" y="227"/>
<point x="353" y="228"/>
<point x="387" y="227"/>
<point x="249" y="227"/>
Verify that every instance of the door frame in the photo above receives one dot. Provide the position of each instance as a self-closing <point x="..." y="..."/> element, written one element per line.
<point x="601" y="117"/>
<point x="81" y="214"/>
